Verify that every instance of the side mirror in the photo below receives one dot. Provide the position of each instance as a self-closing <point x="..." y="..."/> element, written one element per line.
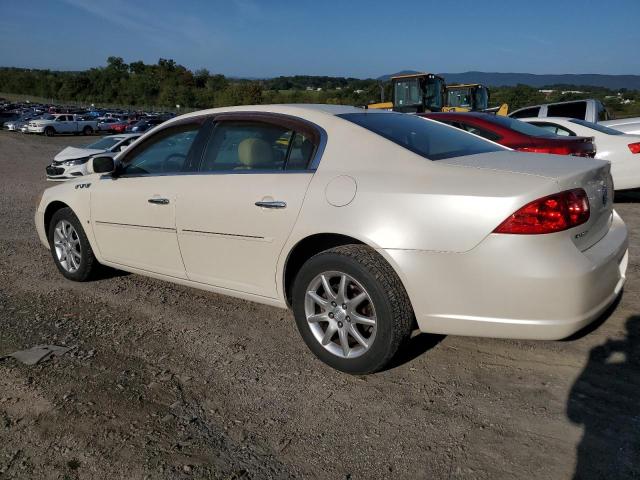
<point x="102" y="165"/>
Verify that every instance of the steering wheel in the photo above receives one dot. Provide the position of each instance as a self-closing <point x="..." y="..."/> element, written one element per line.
<point x="174" y="157"/>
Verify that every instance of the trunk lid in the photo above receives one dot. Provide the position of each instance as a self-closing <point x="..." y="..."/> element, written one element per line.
<point x="568" y="172"/>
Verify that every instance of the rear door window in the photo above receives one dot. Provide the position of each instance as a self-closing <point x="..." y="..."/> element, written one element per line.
<point x="482" y="132"/>
<point x="555" y="129"/>
<point x="251" y="145"/>
<point x="526" y="112"/>
<point x="569" y="110"/>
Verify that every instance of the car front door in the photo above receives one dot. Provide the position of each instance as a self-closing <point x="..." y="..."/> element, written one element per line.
<point x="63" y="125"/>
<point x="236" y="215"/>
<point x="133" y="211"/>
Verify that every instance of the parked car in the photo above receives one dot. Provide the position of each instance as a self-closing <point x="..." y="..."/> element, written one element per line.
<point x="71" y="162"/>
<point x="364" y="222"/>
<point x="623" y="151"/>
<point x="17" y="124"/>
<point x="624" y="125"/>
<point x="119" y="127"/>
<point x="144" y="125"/>
<point x="51" y="125"/>
<point x="106" y="124"/>
<point x="8" y="117"/>
<point x="515" y="134"/>
<point x="590" y="110"/>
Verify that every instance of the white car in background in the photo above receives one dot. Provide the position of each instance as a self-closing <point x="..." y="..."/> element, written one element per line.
<point x="368" y="224"/>
<point x="622" y="150"/>
<point x="51" y="125"/>
<point x="625" y="125"/>
<point x="72" y="161"/>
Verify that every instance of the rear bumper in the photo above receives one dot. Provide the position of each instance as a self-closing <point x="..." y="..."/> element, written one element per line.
<point x="515" y="286"/>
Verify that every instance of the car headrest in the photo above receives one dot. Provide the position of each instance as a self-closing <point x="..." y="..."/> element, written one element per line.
<point x="254" y="152"/>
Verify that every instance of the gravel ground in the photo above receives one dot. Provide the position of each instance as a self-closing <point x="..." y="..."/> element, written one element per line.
<point x="165" y="381"/>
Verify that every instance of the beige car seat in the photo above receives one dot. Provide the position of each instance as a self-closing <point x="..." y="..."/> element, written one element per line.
<point x="254" y="153"/>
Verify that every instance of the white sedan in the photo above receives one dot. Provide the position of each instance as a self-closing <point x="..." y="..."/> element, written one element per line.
<point x="71" y="162"/>
<point x="625" y="125"/>
<point x="623" y="151"/>
<point x="367" y="224"/>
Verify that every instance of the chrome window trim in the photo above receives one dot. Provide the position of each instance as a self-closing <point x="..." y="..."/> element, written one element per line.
<point x="221" y="172"/>
<point x="311" y="168"/>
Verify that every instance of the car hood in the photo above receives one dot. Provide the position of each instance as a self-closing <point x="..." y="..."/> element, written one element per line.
<point x="539" y="164"/>
<point x="72" y="153"/>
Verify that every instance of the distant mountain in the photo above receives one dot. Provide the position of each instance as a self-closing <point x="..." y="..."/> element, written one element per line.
<point x="495" y="79"/>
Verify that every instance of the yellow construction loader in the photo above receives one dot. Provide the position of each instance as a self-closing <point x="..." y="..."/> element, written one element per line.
<point x="427" y="92"/>
<point x="470" y="97"/>
<point x="415" y="93"/>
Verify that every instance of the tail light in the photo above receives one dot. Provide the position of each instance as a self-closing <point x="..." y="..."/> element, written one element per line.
<point x="554" y="213"/>
<point x="555" y="150"/>
<point x="561" y="150"/>
<point x="634" y="147"/>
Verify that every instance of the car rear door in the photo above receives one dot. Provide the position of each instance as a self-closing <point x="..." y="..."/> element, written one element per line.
<point x="236" y="215"/>
<point x="133" y="212"/>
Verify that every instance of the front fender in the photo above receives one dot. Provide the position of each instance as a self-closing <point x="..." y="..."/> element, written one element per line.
<point x="75" y="194"/>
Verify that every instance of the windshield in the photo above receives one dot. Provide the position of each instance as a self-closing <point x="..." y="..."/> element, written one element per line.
<point x="519" y="126"/>
<point x="482" y="98"/>
<point x="104" y="143"/>
<point x="596" y="127"/>
<point x="434" y="93"/>
<point x="427" y="138"/>
<point x="408" y="92"/>
<point x="459" y="98"/>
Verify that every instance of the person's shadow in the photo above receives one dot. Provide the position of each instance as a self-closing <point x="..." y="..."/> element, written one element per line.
<point x="605" y="400"/>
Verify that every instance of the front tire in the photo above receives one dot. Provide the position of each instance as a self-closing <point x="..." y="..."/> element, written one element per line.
<point x="70" y="247"/>
<point x="352" y="309"/>
<point x="49" y="132"/>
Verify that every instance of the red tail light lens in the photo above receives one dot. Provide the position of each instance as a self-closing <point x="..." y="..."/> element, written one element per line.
<point x="634" y="147"/>
<point x="555" y="150"/>
<point x="554" y="213"/>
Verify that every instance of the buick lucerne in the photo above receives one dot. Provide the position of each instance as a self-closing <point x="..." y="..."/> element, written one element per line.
<point x="367" y="224"/>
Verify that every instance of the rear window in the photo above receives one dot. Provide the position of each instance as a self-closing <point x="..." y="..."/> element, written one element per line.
<point x="595" y="126"/>
<point x="429" y="139"/>
<point x="520" y="126"/>
<point x="570" y="110"/>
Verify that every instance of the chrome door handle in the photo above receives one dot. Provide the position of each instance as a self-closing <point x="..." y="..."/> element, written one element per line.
<point x="275" y="204"/>
<point x="159" y="201"/>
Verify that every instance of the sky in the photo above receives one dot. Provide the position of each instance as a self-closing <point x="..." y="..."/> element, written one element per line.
<point x="358" y="38"/>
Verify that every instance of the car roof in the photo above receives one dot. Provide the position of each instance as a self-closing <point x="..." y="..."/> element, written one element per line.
<point x="291" y="109"/>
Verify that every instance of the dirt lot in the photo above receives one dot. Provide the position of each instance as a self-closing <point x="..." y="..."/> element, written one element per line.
<point x="168" y="382"/>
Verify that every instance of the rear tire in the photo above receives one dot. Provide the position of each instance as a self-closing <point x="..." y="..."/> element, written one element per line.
<point x="70" y="247"/>
<point x="87" y="130"/>
<point x="49" y="131"/>
<point x="361" y="330"/>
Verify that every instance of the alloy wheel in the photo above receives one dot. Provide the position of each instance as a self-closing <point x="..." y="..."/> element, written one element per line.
<point x="67" y="246"/>
<point x="340" y="314"/>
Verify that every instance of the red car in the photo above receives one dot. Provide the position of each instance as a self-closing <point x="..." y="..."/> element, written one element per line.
<point x="515" y="134"/>
<point x="118" y="127"/>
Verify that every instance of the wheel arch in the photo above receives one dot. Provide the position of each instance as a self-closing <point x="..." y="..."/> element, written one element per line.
<point x="313" y="244"/>
<point x="51" y="209"/>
